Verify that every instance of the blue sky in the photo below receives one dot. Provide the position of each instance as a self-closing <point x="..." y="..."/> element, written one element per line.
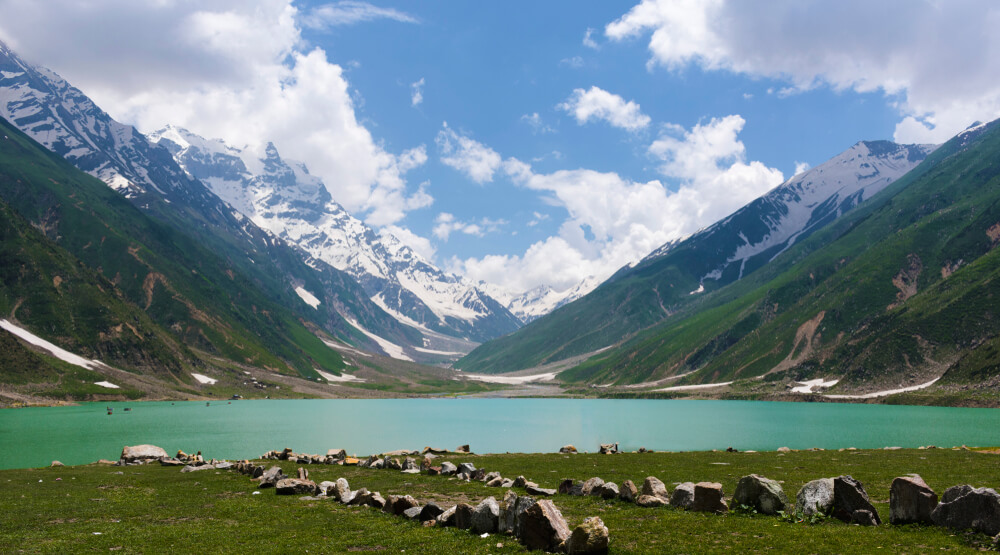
<point x="532" y="143"/>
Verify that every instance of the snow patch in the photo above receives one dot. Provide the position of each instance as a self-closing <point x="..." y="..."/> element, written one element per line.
<point x="343" y="377"/>
<point x="433" y="352"/>
<point x="390" y="348"/>
<point x="307" y="297"/>
<point x="700" y="289"/>
<point x="204" y="379"/>
<point x="886" y="392"/>
<point x="807" y="386"/>
<point x="107" y="384"/>
<point x="512" y="380"/>
<point x="690" y="387"/>
<point x="57" y="352"/>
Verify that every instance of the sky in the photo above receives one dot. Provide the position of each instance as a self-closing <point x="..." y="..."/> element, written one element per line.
<point x="529" y="143"/>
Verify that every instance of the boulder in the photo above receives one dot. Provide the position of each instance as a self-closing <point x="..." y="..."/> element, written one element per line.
<point x="762" y="494"/>
<point x="393" y="464"/>
<point x="413" y="513"/>
<point x="377" y="464"/>
<point x="485" y="516"/>
<point x="433" y="451"/>
<point x="609" y="490"/>
<point x="570" y="487"/>
<point x="654" y="487"/>
<point x="463" y="515"/>
<point x="479" y="475"/>
<point x="338" y="454"/>
<point x="430" y="511"/>
<point x="463" y="449"/>
<point x="568" y="450"/>
<point x="223" y="465"/>
<point x="816" y="497"/>
<point x="447" y="518"/>
<point x="911" y="500"/>
<point x="495" y="482"/>
<point x="590" y="487"/>
<point x="448" y="468"/>
<point x="303" y="474"/>
<point x="589" y="537"/>
<point x="341" y="491"/>
<point x="375" y="500"/>
<point x="784" y="450"/>
<point x="849" y="495"/>
<point x="410" y="463"/>
<point x="400" y="453"/>
<point x="543" y="527"/>
<point x="964" y="507"/>
<point x="505" y="520"/>
<point x="468" y="468"/>
<point x="271" y="476"/>
<point x="351" y="461"/>
<point x="863" y="518"/>
<point x="507" y="483"/>
<point x="683" y="496"/>
<point x="293" y="486"/>
<point x="433" y="470"/>
<point x="520" y="482"/>
<point x="398" y="504"/>
<point x="521" y="506"/>
<point x="533" y="489"/>
<point x="411" y="471"/>
<point x="628" y="492"/>
<point x="650" y="501"/>
<point x="709" y="498"/>
<point x="147" y="452"/>
<point x="169" y="461"/>
<point x="608" y="448"/>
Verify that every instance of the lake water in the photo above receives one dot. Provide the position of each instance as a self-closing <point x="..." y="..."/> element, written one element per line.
<point x="34" y="437"/>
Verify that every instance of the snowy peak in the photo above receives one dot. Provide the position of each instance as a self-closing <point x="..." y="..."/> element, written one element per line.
<point x="541" y="300"/>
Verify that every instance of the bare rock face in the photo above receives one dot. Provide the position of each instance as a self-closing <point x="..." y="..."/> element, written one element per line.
<point x="911" y="500"/>
<point x="708" y="497"/>
<point x="815" y="497"/>
<point x="543" y="527"/>
<point x="654" y="487"/>
<point x="849" y="495"/>
<point x="485" y="516"/>
<point x="589" y="537"/>
<point x="136" y="453"/>
<point x="591" y="486"/>
<point x="683" y="496"/>
<point x="628" y="492"/>
<point x="762" y="494"/>
<point x="964" y="507"/>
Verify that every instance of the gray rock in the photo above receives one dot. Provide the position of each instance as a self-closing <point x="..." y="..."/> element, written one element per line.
<point x="653" y="486"/>
<point x="495" y="482"/>
<point x="709" y="498"/>
<point x="650" y="501"/>
<point x="411" y="471"/>
<point x="447" y="518"/>
<point x="762" y="494"/>
<point x="447" y="468"/>
<point x="521" y="506"/>
<point x="520" y="482"/>
<point x="507" y="483"/>
<point x="968" y="507"/>
<point x="271" y="476"/>
<point x="328" y="488"/>
<point x="463" y="449"/>
<point x="375" y="500"/>
<point x="169" y="461"/>
<point x="224" y="465"/>
<point x="393" y="464"/>
<point x="410" y="464"/>
<point x="505" y="521"/>
<point x="359" y="497"/>
<point x="338" y="454"/>
<point x="683" y="496"/>
<point x="463" y="515"/>
<point x="570" y="487"/>
<point x="567" y="450"/>
<point x="479" y="475"/>
<point x="291" y="486"/>
<point x="590" y="487"/>
<point x="609" y="490"/>
<point x="430" y="511"/>
<point x="413" y="513"/>
<point x="341" y="491"/>
<point x="133" y="453"/>
<point x="191" y="468"/>
<point x="485" y="516"/>
<point x="532" y="489"/>
<point x="816" y="497"/>
<point x="608" y="448"/>
<point x="849" y="495"/>
<point x="863" y="518"/>
<point x="468" y="468"/>
<point x="589" y="537"/>
<point x="628" y="492"/>
<point x="377" y="464"/>
<point x="398" y="504"/>
<point x="543" y="527"/>
<point x="57" y="463"/>
<point x="911" y="500"/>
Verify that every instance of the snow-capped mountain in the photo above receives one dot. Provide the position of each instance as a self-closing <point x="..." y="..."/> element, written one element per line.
<point x="282" y="197"/>
<point x="766" y="227"/>
<point x="540" y="300"/>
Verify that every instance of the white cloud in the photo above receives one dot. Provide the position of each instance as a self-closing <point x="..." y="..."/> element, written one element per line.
<point x="801" y="167"/>
<point x="576" y="62"/>
<point x="613" y="221"/>
<point x="599" y="104"/>
<point x="350" y="12"/>
<point x="417" y="92"/>
<point x="446" y="224"/>
<point x="420" y="245"/>
<point x="936" y="61"/>
<point x="208" y="66"/>
<point x="588" y="39"/>
<point x="476" y="160"/>
<point x="537" y="125"/>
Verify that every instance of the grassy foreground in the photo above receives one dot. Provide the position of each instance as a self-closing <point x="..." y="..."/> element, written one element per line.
<point x="158" y="509"/>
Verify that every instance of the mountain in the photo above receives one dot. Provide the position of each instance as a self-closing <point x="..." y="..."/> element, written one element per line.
<point x="899" y="293"/>
<point x="67" y="122"/>
<point x="282" y="197"/>
<point x="539" y="301"/>
<point x="675" y="275"/>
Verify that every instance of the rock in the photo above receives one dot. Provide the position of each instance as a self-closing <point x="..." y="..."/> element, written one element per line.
<point x="469" y="468"/>
<point x="57" y="463"/>
<point x="463" y="449"/>
<point x="292" y="486"/>
<point x="398" y="504"/>
<point x="338" y="454"/>
<point x="479" y="475"/>
<point x="143" y="453"/>
<point x="400" y="453"/>
<point x="105" y="461"/>
<point x="543" y="527"/>
<point x="608" y="448"/>
<point x="507" y="483"/>
<point x="303" y="474"/>
<point x="327" y="488"/>
<point x="654" y="487"/>
<point x="495" y="482"/>
<point x="762" y="494"/>
<point x="375" y="500"/>
<point x="285" y="454"/>
<point x="224" y="465"/>
<point x="393" y="464"/>
<point x="351" y="461"/>
<point x="965" y="507"/>
<point x="532" y="489"/>
<point x="169" y="461"/>
<point x="650" y="501"/>
<point x="628" y="492"/>
<point x="609" y="490"/>
<point x="430" y="511"/>
<point x="433" y="470"/>
<point x="192" y="468"/>
<point x="521" y="506"/>
<point x="409" y="463"/>
<point x="485" y="516"/>
<point x="463" y="515"/>
<point x="448" y="469"/>
<point x="570" y="487"/>
<point x="816" y="497"/>
<point x="589" y="537"/>
<point x="568" y="450"/>
<point x="271" y="476"/>
<point x="377" y="464"/>
<point x="708" y="497"/>
<point x="683" y="496"/>
<point x="505" y="520"/>
<point x="591" y="485"/>
<point x="520" y="482"/>
<point x="863" y="518"/>
<point x="784" y="450"/>
<point x="849" y="495"/>
<point x="413" y="513"/>
<point x="341" y="491"/>
<point x="433" y="451"/>
<point x="447" y="518"/>
<point x="911" y="500"/>
<point x="411" y="471"/>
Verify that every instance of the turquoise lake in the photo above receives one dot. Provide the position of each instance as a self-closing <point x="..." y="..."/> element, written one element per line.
<point x="34" y="437"/>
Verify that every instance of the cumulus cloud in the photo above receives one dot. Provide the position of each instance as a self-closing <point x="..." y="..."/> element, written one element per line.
<point x="417" y="92"/>
<point x="474" y="159"/>
<point x="936" y="61"/>
<point x="612" y="221"/>
<point x="223" y="69"/>
<point x="599" y="104"/>
<point x="588" y="39"/>
<point x="537" y="125"/>
<point x="445" y="224"/>
<point x="350" y="12"/>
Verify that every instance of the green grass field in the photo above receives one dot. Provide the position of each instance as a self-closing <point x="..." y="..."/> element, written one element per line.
<point x="159" y="509"/>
